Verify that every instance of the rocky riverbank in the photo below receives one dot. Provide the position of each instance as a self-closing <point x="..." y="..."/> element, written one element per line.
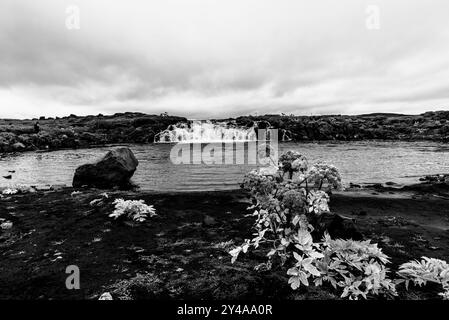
<point x="79" y="132"/>
<point x="182" y="253"/>
<point x="75" y="132"/>
<point x="432" y="126"/>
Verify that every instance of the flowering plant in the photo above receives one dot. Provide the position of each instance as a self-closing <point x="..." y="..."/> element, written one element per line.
<point x="288" y="204"/>
<point x="283" y="205"/>
<point x="9" y="191"/>
<point x="137" y="210"/>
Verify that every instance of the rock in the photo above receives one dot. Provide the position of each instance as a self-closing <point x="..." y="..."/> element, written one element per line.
<point x="209" y="221"/>
<point x="18" y="146"/>
<point x="114" y="170"/>
<point x="6" y="225"/>
<point x="89" y="136"/>
<point x="353" y="185"/>
<point x="338" y="227"/>
<point x="43" y="188"/>
<point x="58" y="187"/>
<point x="106" y="296"/>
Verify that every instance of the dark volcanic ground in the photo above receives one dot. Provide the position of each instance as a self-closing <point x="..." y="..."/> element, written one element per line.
<point x="182" y="253"/>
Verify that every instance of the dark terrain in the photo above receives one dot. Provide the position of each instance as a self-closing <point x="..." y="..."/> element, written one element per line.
<point x="182" y="252"/>
<point x="76" y="132"/>
<point x="79" y="132"/>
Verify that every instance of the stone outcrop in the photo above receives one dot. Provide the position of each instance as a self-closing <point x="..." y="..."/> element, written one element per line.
<point x="77" y="132"/>
<point x="114" y="170"/>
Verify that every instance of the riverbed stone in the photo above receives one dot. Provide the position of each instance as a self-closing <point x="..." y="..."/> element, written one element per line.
<point x="18" y="146"/>
<point x="114" y="170"/>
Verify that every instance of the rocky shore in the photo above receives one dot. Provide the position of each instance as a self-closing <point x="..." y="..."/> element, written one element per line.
<point x="79" y="132"/>
<point x="75" y="132"/>
<point x="182" y="253"/>
<point x="433" y="126"/>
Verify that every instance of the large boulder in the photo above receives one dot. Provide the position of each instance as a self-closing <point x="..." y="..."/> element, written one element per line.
<point x="114" y="170"/>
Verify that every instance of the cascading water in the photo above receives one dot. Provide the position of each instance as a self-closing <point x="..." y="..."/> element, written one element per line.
<point x="205" y="131"/>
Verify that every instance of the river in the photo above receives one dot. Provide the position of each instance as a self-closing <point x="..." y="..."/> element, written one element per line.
<point x="358" y="162"/>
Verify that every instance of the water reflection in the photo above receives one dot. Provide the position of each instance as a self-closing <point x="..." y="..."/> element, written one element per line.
<point x="359" y="162"/>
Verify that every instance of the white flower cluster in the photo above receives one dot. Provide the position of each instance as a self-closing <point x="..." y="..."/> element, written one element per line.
<point x="318" y="201"/>
<point x="9" y="191"/>
<point x="137" y="210"/>
<point x="325" y="173"/>
<point x="269" y="171"/>
<point x="300" y="164"/>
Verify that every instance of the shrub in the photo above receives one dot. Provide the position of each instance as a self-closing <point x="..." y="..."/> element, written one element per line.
<point x="136" y="210"/>
<point x="287" y="204"/>
<point x="426" y="270"/>
<point x="356" y="267"/>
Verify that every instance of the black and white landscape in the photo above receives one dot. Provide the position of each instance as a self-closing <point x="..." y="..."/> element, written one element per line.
<point x="224" y="150"/>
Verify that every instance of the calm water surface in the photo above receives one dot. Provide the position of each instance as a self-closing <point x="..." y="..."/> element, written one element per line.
<point x="359" y="162"/>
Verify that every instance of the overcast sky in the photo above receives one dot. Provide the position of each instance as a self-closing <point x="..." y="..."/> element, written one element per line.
<point x="210" y="58"/>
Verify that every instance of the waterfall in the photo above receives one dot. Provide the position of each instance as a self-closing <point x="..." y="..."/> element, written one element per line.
<point x="205" y="131"/>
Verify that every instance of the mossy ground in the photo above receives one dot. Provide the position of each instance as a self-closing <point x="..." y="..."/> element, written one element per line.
<point x="181" y="255"/>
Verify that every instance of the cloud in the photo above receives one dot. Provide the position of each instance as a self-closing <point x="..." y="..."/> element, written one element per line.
<point x="211" y="58"/>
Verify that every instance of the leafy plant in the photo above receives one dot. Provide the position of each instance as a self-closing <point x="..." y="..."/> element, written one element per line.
<point x="357" y="267"/>
<point x="137" y="210"/>
<point x="426" y="270"/>
<point x="288" y="203"/>
<point x="287" y="199"/>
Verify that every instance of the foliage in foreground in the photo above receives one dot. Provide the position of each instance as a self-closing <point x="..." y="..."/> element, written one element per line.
<point x="356" y="267"/>
<point x="136" y="210"/>
<point x="426" y="270"/>
<point x="289" y="202"/>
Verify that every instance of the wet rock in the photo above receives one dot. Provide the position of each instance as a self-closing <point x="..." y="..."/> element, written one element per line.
<point x="338" y="226"/>
<point x="6" y="225"/>
<point x="43" y="188"/>
<point x="353" y="185"/>
<point x="18" y="146"/>
<point x="106" y="296"/>
<point x="114" y="170"/>
<point x="58" y="187"/>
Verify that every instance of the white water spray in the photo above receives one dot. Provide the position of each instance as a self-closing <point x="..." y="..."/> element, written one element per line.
<point x="205" y="131"/>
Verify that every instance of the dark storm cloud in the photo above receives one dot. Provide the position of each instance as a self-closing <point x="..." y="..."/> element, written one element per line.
<point x="206" y="58"/>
